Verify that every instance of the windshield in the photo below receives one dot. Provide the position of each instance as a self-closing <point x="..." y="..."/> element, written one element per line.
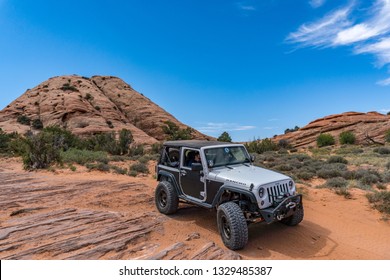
<point x="226" y="156"/>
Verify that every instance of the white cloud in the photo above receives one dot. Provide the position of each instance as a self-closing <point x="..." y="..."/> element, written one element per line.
<point x="317" y="3"/>
<point x="212" y="127"/>
<point x="369" y="36"/>
<point x="245" y="7"/>
<point x="321" y="33"/>
<point x="385" y="82"/>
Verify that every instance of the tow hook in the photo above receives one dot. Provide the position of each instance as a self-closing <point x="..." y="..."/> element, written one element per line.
<point x="291" y="205"/>
<point x="280" y="217"/>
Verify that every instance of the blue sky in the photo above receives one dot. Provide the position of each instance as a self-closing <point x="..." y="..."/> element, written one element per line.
<point x="252" y="68"/>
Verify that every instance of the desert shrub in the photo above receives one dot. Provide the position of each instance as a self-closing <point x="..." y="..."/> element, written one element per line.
<point x="382" y="150"/>
<point x="5" y="139"/>
<point x="72" y="167"/>
<point x="88" y="96"/>
<point x="288" y="130"/>
<point x="325" y="139"/>
<point x="139" y="168"/>
<point x="367" y="177"/>
<point x="136" y="151"/>
<point x="261" y="146"/>
<point x="41" y="151"/>
<point x="381" y="186"/>
<point x="337" y="159"/>
<point x="349" y="150"/>
<point x="109" y="123"/>
<point x="387" y="136"/>
<point x="301" y="157"/>
<point x="347" y="137"/>
<point x="125" y="139"/>
<point x="344" y="192"/>
<point x="69" y="87"/>
<point x="102" y="142"/>
<point x="225" y="137"/>
<point x="305" y="175"/>
<point x="283" y="143"/>
<point x="284" y="167"/>
<point x="380" y="201"/>
<point x="331" y="170"/>
<point x="84" y="156"/>
<point x="173" y="132"/>
<point x="388" y="165"/>
<point x="118" y="170"/>
<point x="22" y="119"/>
<point x="37" y="124"/>
<point x="98" y="166"/>
<point x="156" y="148"/>
<point x="385" y="177"/>
<point x="337" y="182"/>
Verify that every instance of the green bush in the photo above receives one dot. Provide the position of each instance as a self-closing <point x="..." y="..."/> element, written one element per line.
<point x="225" y="137"/>
<point x="173" y="132"/>
<point x="382" y="150"/>
<point x="344" y="192"/>
<point x="380" y="201"/>
<point x="367" y="177"/>
<point x="125" y="139"/>
<point x="98" y="166"/>
<point x="325" y="139"/>
<point x="41" y="151"/>
<point x="261" y="146"/>
<point x="337" y="159"/>
<point x="22" y="119"/>
<point x="84" y="156"/>
<point x="387" y="136"/>
<point x="119" y="170"/>
<point x="5" y="139"/>
<point x="337" y="182"/>
<point x="305" y="175"/>
<point x="37" y="124"/>
<point x="139" y="168"/>
<point x="347" y="137"/>
<point x="69" y="87"/>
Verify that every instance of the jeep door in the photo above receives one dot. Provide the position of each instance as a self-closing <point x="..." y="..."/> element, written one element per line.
<point x="191" y="181"/>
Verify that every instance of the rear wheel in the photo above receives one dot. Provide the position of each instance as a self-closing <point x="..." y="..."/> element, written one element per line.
<point x="166" y="198"/>
<point x="295" y="219"/>
<point x="232" y="226"/>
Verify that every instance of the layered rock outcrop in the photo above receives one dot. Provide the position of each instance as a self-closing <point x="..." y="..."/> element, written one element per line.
<point x="368" y="128"/>
<point x="90" y="105"/>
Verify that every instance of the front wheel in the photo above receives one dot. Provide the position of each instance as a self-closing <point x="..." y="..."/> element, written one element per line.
<point x="166" y="198"/>
<point x="232" y="226"/>
<point x="294" y="219"/>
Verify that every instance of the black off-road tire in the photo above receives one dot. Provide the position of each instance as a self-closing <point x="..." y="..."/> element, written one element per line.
<point x="232" y="226"/>
<point x="295" y="219"/>
<point x="166" y="198"/>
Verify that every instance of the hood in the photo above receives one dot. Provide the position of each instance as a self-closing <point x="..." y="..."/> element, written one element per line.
<point x="244" y="175"/>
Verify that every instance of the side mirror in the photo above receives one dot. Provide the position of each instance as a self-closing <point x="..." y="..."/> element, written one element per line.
<point x="196" y="166"/>
<point x="252" y="158"/>
<point x="210" y="163"/>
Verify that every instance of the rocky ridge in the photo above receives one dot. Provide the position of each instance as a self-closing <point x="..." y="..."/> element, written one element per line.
<point x="87" y="106"/>
<point x="368" y="128"/>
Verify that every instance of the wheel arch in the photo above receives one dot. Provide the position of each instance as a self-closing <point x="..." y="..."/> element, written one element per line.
<point x="225" y="189"/>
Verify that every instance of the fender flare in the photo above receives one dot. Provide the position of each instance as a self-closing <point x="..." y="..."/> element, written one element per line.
<point x="172" y="178"/>
<point x="224" y="188"/>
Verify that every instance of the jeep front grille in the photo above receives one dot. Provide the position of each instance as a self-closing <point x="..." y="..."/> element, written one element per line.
<point x="277" y="190"/>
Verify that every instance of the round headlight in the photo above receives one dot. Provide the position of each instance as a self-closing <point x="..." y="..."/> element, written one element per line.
<point x="261" y="192"/>
<point x="290" y="184"/>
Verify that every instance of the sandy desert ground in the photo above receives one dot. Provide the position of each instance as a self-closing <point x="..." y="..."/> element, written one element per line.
<point x="96" y="215"/>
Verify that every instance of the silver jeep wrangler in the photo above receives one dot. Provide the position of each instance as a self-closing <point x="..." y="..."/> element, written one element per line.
<point x="225" y="179"/>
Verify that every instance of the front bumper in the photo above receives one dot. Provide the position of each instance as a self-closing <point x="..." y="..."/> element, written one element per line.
<point x="286" y="208"/>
